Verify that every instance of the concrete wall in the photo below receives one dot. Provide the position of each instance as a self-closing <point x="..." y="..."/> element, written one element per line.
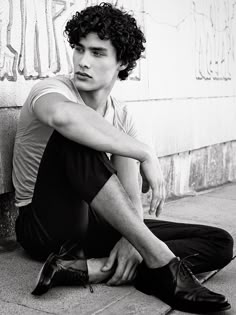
<point x="182" y="93"/>
<point x="191" y="172"/>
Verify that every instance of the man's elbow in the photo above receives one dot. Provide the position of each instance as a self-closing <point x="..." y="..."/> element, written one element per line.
<point x="59" y="118"/>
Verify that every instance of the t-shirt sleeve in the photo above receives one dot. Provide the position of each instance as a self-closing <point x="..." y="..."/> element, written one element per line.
<point x="46" y="86"/>
<point x="131" y="127"/>
<point x="136" y="130"/>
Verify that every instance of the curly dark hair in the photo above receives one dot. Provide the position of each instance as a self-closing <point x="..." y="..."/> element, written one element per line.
<point x="109" y="22"/>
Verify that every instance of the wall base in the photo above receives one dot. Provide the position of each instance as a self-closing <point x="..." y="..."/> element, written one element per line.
<point x="8" y="214"/>
<point x="190" y="172"/>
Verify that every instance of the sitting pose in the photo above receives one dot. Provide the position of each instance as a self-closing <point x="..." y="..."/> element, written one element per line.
<point x="76" y="174"/>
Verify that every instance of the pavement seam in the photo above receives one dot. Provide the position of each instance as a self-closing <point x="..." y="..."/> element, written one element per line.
<point x="112" y="303"/>
<point x="221" y="198"/>
<point x="26" y="306"/>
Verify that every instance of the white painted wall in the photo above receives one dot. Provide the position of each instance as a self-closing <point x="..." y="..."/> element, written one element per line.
<point x="189" y="99"/>
<point x="183" y="92"/>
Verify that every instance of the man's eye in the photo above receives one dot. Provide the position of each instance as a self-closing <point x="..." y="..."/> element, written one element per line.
<point x="79" y="49"/>
<point x="97" y="54"/>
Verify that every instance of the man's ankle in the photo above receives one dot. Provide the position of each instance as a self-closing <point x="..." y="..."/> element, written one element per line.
<point x="96" y="275"/>
<point x="158" y="262"/>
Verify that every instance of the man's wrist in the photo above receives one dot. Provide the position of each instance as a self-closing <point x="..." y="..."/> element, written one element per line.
<point x="146" y="154"/>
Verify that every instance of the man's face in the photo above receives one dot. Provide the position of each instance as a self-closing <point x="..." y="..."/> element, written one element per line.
<point x="95" y="64"/>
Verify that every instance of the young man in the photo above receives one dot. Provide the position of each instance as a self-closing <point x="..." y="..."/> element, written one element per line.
<point x="76" y="180"/>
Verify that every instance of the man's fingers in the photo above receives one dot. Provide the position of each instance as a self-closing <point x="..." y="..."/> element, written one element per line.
<point x="132" y="273"/>
<point x="158" y="200"/>
<point x="154" y="201"/>
<point x="123" y="276"/>
<point x="116" y="278"/>
<point x="163" y="191"/>
<point x="110" y="262"/>
<point x="160" y="207"/>
<point x="129" y="270"/>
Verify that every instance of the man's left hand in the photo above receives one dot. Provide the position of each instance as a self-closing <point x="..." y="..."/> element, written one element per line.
<point x="126" y="258"/>
<point x="161" y="189"/>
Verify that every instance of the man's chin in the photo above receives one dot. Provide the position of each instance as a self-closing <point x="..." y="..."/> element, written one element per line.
<point x="81" y="86"/>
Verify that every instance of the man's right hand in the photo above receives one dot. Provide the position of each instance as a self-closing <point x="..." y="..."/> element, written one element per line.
<point x="151" y="170"/>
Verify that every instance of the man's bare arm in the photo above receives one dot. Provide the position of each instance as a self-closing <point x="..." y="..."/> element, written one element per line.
<point x="124" y="256"/>
<point x="84" y="125"/>
<point x="128" y="174"/>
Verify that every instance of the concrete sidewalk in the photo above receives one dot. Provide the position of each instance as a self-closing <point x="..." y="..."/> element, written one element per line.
<point x="18" y="272"/>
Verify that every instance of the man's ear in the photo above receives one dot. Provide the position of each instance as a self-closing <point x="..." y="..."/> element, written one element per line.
<point x="123" y="66"/>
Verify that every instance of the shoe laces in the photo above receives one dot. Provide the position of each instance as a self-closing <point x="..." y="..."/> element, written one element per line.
<point x="184" y="269"/>
<point x="84" y="280"/>
<point x="79" y="274"/>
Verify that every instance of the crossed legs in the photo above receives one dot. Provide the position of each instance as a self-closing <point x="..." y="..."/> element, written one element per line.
<point x="76" y="183"/>
<point x="78" y="197"/>
<point x="158" y="242"/>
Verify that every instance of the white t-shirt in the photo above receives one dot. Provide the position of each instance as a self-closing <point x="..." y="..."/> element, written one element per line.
<point x="32" y="135"/>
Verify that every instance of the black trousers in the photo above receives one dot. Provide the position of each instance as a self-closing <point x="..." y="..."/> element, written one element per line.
<point x="69" y="177"/>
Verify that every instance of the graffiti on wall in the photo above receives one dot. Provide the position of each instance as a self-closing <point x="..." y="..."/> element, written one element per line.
<point x="215" y="27"/>
<point x="32" y="43"/>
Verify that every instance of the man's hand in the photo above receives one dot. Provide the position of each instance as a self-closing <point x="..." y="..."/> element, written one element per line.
<point x="126" y="258"/>
<point x="152" y="174"/>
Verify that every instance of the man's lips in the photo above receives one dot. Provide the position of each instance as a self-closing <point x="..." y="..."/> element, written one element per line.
<point x="83" y="74"/>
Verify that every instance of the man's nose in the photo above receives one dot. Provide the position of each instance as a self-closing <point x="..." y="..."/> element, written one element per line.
<point x="84" y="61"/>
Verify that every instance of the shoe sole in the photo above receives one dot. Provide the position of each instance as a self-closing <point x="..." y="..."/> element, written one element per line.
<point x="41" y="288"/>
<point x="202" y="310"/>
<point x="188" y="309"/>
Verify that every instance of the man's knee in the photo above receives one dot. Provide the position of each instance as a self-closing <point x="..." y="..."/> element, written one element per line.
<point x="225" y="242"/>
<point x="86" y="170"/>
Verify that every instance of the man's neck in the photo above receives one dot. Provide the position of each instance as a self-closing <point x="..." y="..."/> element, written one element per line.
<point x="96" y="100"/>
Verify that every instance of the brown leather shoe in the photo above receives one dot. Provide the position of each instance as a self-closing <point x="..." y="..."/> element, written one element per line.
<point x="62" y="269"/>
<point x="175" y="285"/>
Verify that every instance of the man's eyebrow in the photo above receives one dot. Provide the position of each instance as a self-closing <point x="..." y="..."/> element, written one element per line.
<point x="101" y="49"/>
<point x="97" y="48"/>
